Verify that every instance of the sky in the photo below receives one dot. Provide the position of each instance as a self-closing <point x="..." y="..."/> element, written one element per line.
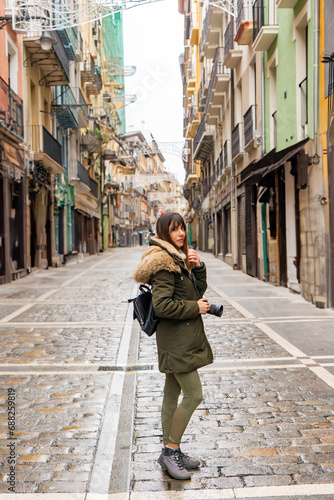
<point x="153" y="41"/>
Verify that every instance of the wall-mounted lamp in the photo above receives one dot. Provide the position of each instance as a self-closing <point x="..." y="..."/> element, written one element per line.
<point x="322" y="200"/>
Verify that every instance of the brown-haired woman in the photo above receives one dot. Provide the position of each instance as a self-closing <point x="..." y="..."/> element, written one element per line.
<point x="181" y="340"/>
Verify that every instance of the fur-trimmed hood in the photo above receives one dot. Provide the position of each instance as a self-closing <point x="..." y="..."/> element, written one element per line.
<point x="160" y="255"/>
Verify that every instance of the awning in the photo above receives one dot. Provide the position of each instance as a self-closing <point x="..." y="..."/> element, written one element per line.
<point x="87" y="208"/>
<point x="270" y="162"/>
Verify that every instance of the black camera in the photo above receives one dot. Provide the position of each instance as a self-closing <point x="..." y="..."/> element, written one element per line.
<point x="216" y="310"/>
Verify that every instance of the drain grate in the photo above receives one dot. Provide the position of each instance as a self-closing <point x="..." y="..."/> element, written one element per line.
<point x="128" y="368"/>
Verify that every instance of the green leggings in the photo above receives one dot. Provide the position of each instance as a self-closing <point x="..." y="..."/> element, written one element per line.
<point x="175" y="418"/>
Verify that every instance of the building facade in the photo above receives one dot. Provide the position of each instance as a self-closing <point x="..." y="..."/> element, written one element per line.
<point x="13" y="172"/>
<point x="256" y="184"/>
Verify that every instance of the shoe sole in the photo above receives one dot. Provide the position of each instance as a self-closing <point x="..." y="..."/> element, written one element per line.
<point x="165" y="468"/>
<point x="192" y="468"/>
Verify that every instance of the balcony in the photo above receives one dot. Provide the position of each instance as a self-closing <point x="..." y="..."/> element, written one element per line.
<point x="232" y="56"/>
<point x="46" y="149"/>
<point x="193" y="123"/>
<point x="226" y="162"/>
<point x="65" y="107"/>
<point x="265" y="29"/>
<point x="187" y="26"/>
<point x="244" y="24"/>
<point x="203" y="90"/>
<point x="83" y="113"/>
<point x="90" y="141"/>
<point x="204" y="141"/>
<point x="219" y="83"/>
<point x="237" y="149"/>
<point x="84" y="177"/>
<point x="191" y="86"/>
<point x="250" y="134"/>
<point x="210" y="32"/>
<point x="91" y="76"/>
<point x="11" y="109"/>
<point x="53" y="63"/>
<point x="219" y="167"/>
<point x="79" y="48"/>
<point x="286" y="4"/>
<point x="194" y="29"/>
<point x="69" y="38"/>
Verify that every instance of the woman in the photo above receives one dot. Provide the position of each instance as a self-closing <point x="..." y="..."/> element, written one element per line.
<point x="181" y="340"/>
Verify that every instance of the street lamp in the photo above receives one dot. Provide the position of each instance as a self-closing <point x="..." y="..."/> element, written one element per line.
<point x="46" y="40"/>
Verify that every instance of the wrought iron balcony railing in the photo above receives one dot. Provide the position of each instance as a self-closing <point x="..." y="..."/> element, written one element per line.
<point x="236" y="140"/>
<point x="44" y="142"/>
<point x="205" y="29"/>
<point x="83" y="103"/>
<point x="225" y="155"/>
<point x="240" y="12"/>
<point x="11" y="109"/>
<point x="199" y="133"/>
<point x="263" y="15"/>
<point x="94" y="188"/>
<point x="249" y="125"/>
<point x="84" y="176"/>
<point x="66" y="108"/>
<point x="61" y="54"/>
<point x="217" y="69"/>
<point x="69" y="38"/>
<point x="258" y="17"/>
<point x="228" y="38"/>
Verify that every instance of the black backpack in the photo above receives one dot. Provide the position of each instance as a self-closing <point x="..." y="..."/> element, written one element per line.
<point x="143" y="310"/>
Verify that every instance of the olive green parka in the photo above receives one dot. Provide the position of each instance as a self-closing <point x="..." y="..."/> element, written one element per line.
<point x="181" y="340"/>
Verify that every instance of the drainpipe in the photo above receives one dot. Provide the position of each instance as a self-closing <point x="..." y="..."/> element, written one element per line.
<point x="264" y="241"/>
<point x="264" y="205"/>
<point x="315" y="71"/>
<point x="262" y="104"/>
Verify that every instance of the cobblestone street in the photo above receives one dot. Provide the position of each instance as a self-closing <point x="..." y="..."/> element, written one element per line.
<point x="88" y="391"/>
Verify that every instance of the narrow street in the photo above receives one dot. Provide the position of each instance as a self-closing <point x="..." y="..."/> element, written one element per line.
<point x="87" y="391"/>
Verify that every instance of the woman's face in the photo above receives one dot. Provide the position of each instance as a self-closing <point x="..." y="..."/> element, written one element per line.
<point x="177" y="235"/>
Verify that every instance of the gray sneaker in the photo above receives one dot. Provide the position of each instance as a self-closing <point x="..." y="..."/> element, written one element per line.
<point x="189" y="462"/>
<point x="170" y="459"/>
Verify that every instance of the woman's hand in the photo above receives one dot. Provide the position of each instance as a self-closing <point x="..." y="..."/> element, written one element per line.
<point x="194" y="257"/>
<point x="203" y="305"/>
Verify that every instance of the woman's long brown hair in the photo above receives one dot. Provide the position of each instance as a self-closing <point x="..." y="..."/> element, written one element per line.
<point x="166" y="223"/>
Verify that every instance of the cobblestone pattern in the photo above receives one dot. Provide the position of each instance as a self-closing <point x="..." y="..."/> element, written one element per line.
<point x="228" y="340"/>
<point x="254" y="428"/>
<point x="60" y="345"/>
<point x="268" y="435"/>
<point x="57" y="424"/>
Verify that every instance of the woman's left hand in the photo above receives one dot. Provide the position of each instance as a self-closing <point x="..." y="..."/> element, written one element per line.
<point x="194" y="257"/>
